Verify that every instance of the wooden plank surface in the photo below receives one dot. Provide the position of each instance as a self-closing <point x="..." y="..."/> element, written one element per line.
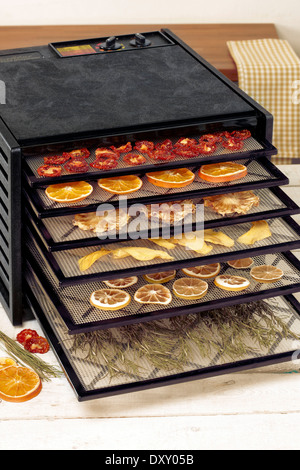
<point x="256" y="409"/>
<point x="209" y="40"/>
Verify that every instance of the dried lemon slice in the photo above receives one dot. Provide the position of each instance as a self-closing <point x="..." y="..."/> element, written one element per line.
<point x="121" y="283"/>
<point x="231" y="283"/>
<point x="207" y="271"/>
<point x="241" y="263"/>
<point x="160" y="278"/>
<point x="266" y="273"/>
<point x="189" y="288"/>
<point x="153" y="294"/>
<point x="110" y="299"/>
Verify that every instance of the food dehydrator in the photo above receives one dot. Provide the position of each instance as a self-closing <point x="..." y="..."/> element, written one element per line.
<point x="103" y="93"/>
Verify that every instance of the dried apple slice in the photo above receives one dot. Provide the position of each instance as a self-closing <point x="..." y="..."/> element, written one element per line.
<point x="259" y="231"/>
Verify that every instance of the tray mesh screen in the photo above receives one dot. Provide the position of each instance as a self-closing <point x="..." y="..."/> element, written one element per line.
<point x="94" y="374"/>
<point x="75" y="299"/>
<point x="256" y="173"/>
<point x="68" y="260"/>
<point x="34" y="161"/>
<point x="61" y="229"/>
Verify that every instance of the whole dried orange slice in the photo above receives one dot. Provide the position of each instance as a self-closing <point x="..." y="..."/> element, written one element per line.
<point x="244" y="263"/>
<point x="110" y="299"/>
<point x="153" y="294"/>
<point x="121" y="184"/>
<point x="69" y="192"/>
<point x="189" y="288"/>
<point x="19" y="384"/>
<point x="222" y="172"/>
<point x="122" y="283"/>
<point x="231" y="283"/>
<point x="6" y="362"/>
<point x="206" y="271"/>
<point x="175" y="178"/>
<point x="160" y="278"/>
<point x="266" y="273"/>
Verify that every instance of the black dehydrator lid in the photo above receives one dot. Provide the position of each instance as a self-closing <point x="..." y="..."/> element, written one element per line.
<point x="48" y="96"/>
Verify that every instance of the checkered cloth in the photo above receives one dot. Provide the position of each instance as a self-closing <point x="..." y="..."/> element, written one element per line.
<point x="269" y="72"/>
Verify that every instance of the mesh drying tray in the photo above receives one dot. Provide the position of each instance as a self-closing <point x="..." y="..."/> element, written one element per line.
<point x="73" y="302"/>
<point x="59" y="233"/>
<point x="65" y="268"/>
<point x="252" y="149"/>
<point x="261" y="174"/>
<point x="90" y="378"/>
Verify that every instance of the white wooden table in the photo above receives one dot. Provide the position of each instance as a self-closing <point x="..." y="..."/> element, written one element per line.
<point x="258" y="409"/>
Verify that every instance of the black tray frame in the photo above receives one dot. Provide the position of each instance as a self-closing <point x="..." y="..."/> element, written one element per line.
<point x="291" y="209"/>
<point x="61" y="280"/>
<point x="213" y="371"/>
<point x="279" y="179"/>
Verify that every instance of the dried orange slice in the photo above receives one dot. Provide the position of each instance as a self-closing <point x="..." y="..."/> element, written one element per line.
<point x="121" y="184"/>
<point x="266" y="273"/>
<point x="175" y="178"/>
<point x="189" y="288"/>
<point x="241" y="263"/>
<point x="160" y="278"/>
<point x="231" y="283"/>
<point x="222" y="172"/>
<point x="110" y="299"/>
<point x="19" y="384"/>
<point x="6" y="362"/>
<point x="153" y="294"/>
<point x="122" y="283"/>
<point x="207" y="271"/>
<point x="69" y="192"/>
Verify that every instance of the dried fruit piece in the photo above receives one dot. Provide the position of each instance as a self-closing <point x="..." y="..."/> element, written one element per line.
<point x="175" y="178"/>
<point x="207" y="271"/>
<point x="110" y="299"/>
<point x="144" y="146"/>
<point x="222" y="172"/>
<point x="105" y="152"/>
<point x="141" y="253"/>
<point x="69" y="192"/>
<point x="77" y="154"/>
<point x="241" y="263"/>
<point x="233" y="144"/>
<point x="266" y="273"/>
<point x="104" y="163"/>
<point x="19" y="384"/>
<point x="218" y="238"/>
<point x="153" y="294"/>
<point x="123" y="148"/>
<point x="122" y="283"/>
<point x="112" y="220"/>
<point x="165" y="145"/>
<point x="241" y="135"/>
<point x="232" y="203"/>
<point x="49" y="171"/>
<point x="189" y="288"/>
<point x="231" y="283"/>
<point x="160" y="278"/>
<point x="259" y="231"/>
<point x="134" y="159"/>
<point x="6" y="362"/>
<point x="87" y="261"/>
<point x="26" y="334"/>
<point x="37" y="345"/>
<point x="56" y="160"/>
<point x="76" y="166"/>
<point x="121" y="185"/>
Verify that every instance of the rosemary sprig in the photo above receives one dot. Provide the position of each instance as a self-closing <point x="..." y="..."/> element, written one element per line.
<point x="24" y="358"/>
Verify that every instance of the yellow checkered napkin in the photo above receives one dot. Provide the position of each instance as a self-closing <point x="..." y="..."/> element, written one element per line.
<point x="269" y="71"/>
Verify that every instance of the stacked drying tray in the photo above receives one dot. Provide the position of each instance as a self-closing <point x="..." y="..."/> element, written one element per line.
<point x="165" y="334"/>
<point x="83" y="107"/>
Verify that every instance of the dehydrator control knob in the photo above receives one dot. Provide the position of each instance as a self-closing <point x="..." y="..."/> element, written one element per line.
<point x="111" y="44"/>
<point x="140" y="41"/>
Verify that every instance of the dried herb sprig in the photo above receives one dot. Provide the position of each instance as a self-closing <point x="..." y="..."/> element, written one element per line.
<point x="45" y="371"/>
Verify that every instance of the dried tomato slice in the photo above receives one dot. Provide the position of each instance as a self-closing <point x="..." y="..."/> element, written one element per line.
<point x="76" y="166"/>
<point x="185" y="142"/>
<point x="241" y="135"/>
<point x="190" y="152"/>
<point x="144" y="146"/>
<point x="105" y="152"/>
<point x="26" y="334"/>
<point x="223" y="135"/>
<point x="78" y="153"/>
<point x="123" y="149"/>
<point x="207" y="148"/>
<point x="56" y="160"/>
<point x="164" y="155"/>
<point x="209" y="139"/>
<point x="37" y="345"/>
<point x="233" y="144"/>
<point x="134" y="159"/>
<point x="104" y="163"/>
<point x="165" y="145"/>
<point x="49" y="171"/>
